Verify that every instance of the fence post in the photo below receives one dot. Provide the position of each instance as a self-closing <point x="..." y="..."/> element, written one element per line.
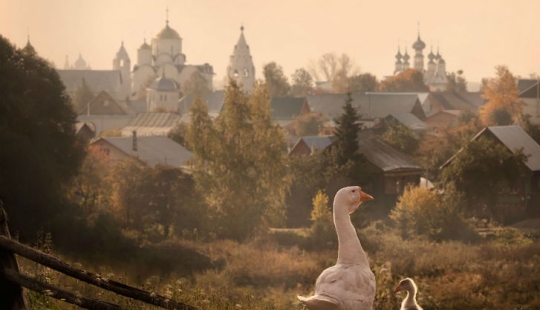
<point x="12" y="296"/>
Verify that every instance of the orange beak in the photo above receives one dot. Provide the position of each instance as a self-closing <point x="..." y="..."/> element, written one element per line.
<point x="397" y="289"/>
<point x="365" y="197"/>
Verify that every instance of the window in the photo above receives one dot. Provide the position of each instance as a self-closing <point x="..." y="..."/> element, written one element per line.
<point x="246" y="73"/>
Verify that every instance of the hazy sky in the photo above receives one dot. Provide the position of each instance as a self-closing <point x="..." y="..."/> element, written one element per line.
<point x="472" y="35"/>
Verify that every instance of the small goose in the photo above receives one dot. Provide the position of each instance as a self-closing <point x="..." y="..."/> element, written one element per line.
<point x="350" y="284"/>
<point x="409" y="303"/>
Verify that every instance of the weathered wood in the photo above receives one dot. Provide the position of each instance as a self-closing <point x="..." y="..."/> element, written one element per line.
<point x="88" y="277"/>
<point x="58" y="293"/>
<point x="12" y="295"/>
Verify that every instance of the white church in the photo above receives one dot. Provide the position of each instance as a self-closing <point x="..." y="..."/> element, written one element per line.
<point x="434" y="75"/>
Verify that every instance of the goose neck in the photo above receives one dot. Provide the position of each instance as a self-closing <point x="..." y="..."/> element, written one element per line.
<point x="349" y="249"/>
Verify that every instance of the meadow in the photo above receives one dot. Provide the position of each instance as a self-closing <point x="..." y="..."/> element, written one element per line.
<point x="500" y="270"/>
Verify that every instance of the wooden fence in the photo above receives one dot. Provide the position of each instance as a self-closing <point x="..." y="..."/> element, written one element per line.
<point x="12" y="281"/>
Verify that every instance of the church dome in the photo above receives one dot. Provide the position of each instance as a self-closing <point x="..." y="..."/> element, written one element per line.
<point x="145" y="46"/>
<point x="419" y="44"/>
<point x="398" y="55"/>
<point x="164" y="84"/>
<point x="168" y="33"/>
<point x="29" y="48"/>
<point x="406" y="57"/>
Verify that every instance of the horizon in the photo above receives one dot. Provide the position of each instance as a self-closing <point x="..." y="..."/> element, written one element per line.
<point x="292" y="34"/>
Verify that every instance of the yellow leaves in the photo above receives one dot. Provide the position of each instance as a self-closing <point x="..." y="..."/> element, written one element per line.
<point x="504" y="104"/>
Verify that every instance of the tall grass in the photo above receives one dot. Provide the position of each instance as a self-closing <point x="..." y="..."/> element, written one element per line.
<point x="500" y="272"/>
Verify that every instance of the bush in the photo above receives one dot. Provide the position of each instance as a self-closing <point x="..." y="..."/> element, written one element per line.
<point x="421" y="211"/>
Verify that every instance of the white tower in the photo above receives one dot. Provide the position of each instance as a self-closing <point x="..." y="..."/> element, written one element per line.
<point x="144" y="54"/>
<point x="241" y="66"/>
<point x="122" y="63"/>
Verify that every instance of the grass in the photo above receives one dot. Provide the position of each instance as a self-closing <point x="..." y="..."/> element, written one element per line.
<point x="500" y="272"/>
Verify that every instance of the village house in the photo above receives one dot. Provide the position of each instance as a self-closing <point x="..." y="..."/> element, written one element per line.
<point x="151" y="150"/>
<point x="529" y="93"/>
<point x="522" y="199"/>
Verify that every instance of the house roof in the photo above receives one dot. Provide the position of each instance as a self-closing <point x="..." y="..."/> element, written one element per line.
<point x="151" y="124"/>
<point x="103" y="104"/>
<point x="97" y="80"/>
<point x="514" y="138"/>
<point x="317" y="142"/>
<point x="213" y="100"/>
<point x="458" y="100"/>
<point x="287" y="108"/>
<point x="410" y="121"/>
<point x="386" y="157"/>
<point x="153" y="150"/>
<point x="528" y="88"/>
<point x="368" y="105"/>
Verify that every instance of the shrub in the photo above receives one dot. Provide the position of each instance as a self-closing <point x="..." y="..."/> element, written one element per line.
<point x="421" y="211"/>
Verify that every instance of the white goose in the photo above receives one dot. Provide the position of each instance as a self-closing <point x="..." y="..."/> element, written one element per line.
<point x="350" y="284"/>
<point x="409" y="303"/>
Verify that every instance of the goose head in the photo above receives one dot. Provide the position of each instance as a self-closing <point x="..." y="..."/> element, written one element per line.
<point x="351" y="197"/>
<point x="406" y="284"/>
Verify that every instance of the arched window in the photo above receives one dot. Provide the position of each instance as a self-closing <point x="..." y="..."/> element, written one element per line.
<point x="246" y="72"/>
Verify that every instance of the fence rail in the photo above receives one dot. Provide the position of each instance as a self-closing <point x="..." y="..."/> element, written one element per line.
<point x="13" y="280"/>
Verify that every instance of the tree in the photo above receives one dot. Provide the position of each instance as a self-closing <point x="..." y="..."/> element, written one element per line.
<point x="276" y="81"/>
<point x="243" y="185"/>
<point x="344" y="158"/>
<point x="309" y="124"/>
<point x="302" y="83"/>
<point x="89" y="188"/>
<point x="40" y="152"/>
<point x="361" y="83"/>
<point x="502" y="96"/>
<point x="322" y="225"/>
<point x="532" y="130"/>
<point x="196" y="84"/>
<point x="456" y="82"/>
<point x="178" y="134"/>
<point x="421" y="211"/>
<point x="347" y="128"/>
<point x="409" y="80"/>
<point x="326" y="68"/>
<point x="129" y="181"/>
<point x="400" y="137"/>
<point x="435" y="150"/>
<point x="83" y="95"/>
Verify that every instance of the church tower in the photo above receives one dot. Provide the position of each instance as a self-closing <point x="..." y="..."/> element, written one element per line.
<point x="406" y="65"/>
<point x="122" y="63"/>
<point x="399" y="65"/>
<point x="241" y="66"/>
<point x="144" y="54"/>
<point x="418" y="47"/>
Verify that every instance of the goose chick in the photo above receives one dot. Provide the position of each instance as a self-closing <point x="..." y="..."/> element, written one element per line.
<point x="409" y="303"/>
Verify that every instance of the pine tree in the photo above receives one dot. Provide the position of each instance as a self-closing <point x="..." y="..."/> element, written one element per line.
<point x="83" y="95"/>
<point x="344" y="158"/>
<point x="347" y="128"/>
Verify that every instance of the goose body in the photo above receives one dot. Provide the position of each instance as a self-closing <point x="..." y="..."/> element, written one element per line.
<point x="350" y="284"/>
<point x="409" y="303"/>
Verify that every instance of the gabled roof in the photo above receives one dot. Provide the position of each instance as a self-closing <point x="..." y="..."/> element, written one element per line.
<point x="514" y="138"/>
<point x="458" y="100"/>
<point x="213" y="100"/>
<point x="313" y="142"/>
<point x="386" y="157"/>
<point x="528" y="88"/>
<point x="151" y="124"/>
<point x="287" y="108"/>
<point x="152" y="150"/>
<point x="369" y="105"/>
<point x="103" y="104"/>
<point x="97" y="80"/>
<point x="410" y="121"/>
